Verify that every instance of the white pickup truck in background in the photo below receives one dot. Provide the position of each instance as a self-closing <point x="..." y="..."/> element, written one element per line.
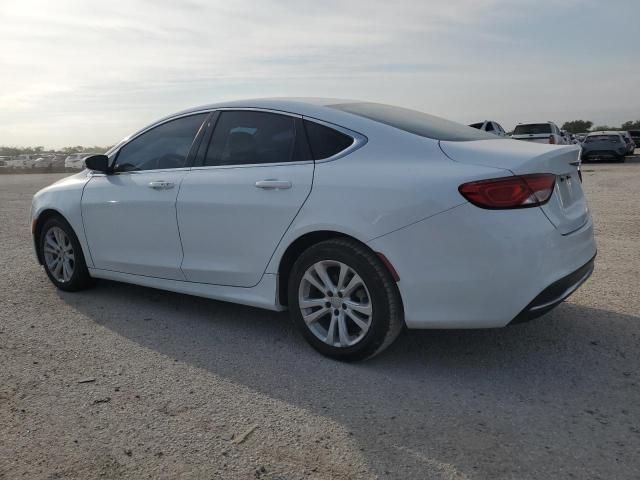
<point x="544" y="132"/>
<point x="491" y="127"/>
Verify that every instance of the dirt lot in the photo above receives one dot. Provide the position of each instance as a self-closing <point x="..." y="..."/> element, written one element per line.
<point x="124" y="381"/>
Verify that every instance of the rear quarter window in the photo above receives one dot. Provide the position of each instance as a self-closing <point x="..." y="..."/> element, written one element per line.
<point x="415" y="122"/>
<point x="325" y="142"/>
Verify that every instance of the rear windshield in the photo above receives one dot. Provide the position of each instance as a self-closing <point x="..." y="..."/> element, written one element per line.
<point x="603" y="138"/>
<point x="533" y="129"/>
<point x="415" y="122"/>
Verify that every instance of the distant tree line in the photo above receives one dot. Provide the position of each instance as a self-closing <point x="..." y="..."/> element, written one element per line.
<point x="13" y="151"/>
<point x="579" y="126"/>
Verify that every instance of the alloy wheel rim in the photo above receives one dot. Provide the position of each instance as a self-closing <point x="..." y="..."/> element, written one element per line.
<point x="335" y="303"/>
<point x="59" y="255"/>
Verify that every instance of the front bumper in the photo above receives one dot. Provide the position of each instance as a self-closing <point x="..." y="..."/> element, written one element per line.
<point x="555" y="293"/>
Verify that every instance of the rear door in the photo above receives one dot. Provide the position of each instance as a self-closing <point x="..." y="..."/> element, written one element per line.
<point x="248" y="184"/>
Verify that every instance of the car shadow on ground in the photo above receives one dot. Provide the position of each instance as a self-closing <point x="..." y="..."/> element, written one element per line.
<point x="465" y="397"/>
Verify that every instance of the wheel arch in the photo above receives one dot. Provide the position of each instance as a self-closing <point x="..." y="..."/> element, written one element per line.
<point x="42" y="218"/>
<point x="303" y="242"/>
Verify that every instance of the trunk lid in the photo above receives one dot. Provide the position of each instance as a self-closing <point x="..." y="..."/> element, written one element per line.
<point x="567" y="208"/>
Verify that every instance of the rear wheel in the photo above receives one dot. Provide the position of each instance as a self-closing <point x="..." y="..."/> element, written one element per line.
<point x="344" y="301"/>
<point x="62" y="256"/>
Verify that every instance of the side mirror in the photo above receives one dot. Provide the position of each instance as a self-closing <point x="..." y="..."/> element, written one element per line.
<point x="98" y="163"/>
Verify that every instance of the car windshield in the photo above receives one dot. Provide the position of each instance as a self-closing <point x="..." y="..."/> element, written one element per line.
<point x="533" y="129"/>
<point x="415" y="122"/>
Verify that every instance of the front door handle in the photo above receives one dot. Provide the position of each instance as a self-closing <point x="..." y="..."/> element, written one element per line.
<point x="161" y="185"/>
<point x="272" y="184"/>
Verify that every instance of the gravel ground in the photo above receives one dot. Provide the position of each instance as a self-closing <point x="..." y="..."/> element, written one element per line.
<point x="124" y="381"/>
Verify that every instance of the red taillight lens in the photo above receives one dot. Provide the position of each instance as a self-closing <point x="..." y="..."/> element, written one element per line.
<point x="552" y="139"/>
<point x="523" y="191"/>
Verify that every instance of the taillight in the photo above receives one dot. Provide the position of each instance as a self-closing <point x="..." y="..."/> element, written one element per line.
<point x="552" y="139"/>
<point x="522" y="191"/>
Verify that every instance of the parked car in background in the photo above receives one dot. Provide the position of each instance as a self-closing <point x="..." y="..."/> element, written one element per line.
<point x="76" y="160"/>
<point x="635" y="136"/>
<point x="631" y="145"/>
<point x="491" y="127"/>
<point x="604" y="145"/>
<point x="581" y="136"/>
<point x="545" y="132"/>
<point x="360" y="218"/>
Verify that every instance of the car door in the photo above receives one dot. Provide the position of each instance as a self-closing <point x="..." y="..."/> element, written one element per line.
<point x="130" y="215"/>
<point x="248" y="184"/>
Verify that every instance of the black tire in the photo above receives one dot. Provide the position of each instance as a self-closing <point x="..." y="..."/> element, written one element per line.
<point x="80" y="278"/>
<point x="387" y="318"/>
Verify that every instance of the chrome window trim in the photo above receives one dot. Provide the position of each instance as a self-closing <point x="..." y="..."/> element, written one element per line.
<point x="138" y="172"/>
<point x="359" y="140"/>
<point x="246" y="165"/>
<point x="257" y="109"/>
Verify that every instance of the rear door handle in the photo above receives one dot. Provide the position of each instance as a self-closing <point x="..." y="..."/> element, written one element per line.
<point x="272" y="184"/>
<point x="161" y="185"/>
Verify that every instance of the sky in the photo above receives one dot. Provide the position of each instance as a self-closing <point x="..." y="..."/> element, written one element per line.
<point x="86" y="72"/>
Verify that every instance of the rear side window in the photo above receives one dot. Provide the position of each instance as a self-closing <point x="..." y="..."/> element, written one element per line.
<point x="325" y="142"/>
<point x="163" y="147"/>
<point x="250" y="137"/>
<point x="415" y="122"/>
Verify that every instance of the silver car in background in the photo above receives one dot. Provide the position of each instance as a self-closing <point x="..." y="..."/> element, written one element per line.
<point x="604" y="145"/>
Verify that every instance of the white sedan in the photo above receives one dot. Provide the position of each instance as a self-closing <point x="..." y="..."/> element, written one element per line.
<point x="360" y="218"/>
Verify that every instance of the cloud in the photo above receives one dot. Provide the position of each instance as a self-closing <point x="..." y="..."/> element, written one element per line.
<point x="119" y="64"/>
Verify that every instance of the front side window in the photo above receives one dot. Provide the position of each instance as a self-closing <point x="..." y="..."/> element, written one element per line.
<point x="163" y="147"/>
<point x="247" y="137"/>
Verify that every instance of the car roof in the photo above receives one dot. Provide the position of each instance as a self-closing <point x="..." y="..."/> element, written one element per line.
<point x="308" y="106"/>
<point x="605" y="132"/>
<point x="312" y="107"/>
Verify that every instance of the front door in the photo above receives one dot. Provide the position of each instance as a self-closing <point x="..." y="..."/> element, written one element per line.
<point x="130" y="216"/>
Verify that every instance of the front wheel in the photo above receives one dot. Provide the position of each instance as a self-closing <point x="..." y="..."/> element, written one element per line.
<point x="344" y="300"/>
<point x="62" y="256"/>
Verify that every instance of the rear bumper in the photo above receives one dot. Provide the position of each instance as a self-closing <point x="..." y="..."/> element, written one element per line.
<point x="555" y="293"/>
<point x="475" y="268"/>
<point x="602" y="153"/>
